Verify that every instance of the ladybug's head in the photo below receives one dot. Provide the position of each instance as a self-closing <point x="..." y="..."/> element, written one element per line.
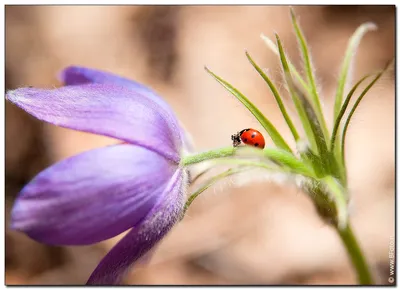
<point x="236" y="139"/>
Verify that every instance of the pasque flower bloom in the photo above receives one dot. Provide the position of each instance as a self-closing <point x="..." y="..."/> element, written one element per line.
<point x="101" y="193"/>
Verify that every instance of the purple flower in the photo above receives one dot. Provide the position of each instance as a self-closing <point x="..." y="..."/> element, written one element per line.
<point x="101" y="193"/>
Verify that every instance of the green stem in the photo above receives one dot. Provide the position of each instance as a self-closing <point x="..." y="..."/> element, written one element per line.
<point x="215" y="154"/>
<point x="270" y="153"/>
<point x="211" y="154"/>
<point x="357" y="258"/>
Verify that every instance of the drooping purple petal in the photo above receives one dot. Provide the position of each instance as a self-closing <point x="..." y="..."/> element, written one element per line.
<point x="143" y="237"/>
<point x="92" y="196"/>
<point x="105" y="109"/>
<point x="76" y="75"/>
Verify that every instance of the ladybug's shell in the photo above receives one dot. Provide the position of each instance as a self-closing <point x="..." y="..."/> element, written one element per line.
<point x="253" y="138"/>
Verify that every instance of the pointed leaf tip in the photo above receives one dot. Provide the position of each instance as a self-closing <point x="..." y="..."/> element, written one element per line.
<point x="370" y="26"/>
<point x="348" y="59"/>
<point x="276" y="95"/>
<point x="309" y="72"/>
<point x="292" y="14"/>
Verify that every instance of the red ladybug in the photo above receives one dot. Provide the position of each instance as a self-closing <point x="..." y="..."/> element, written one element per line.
<point x="250" y="137"/>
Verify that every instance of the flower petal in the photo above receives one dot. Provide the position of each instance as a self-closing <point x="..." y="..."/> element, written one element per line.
<point x="76" y="75"/>
<point x="92" y="196"/>
<point x="143" y="237"/>
<point x="105" y="109"/>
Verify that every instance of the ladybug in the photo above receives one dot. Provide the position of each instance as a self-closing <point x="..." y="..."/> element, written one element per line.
<point x="249" y="137"/>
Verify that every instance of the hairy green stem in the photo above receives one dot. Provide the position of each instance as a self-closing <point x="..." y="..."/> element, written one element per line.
<point x="214" y="155"/>
<point x="211" y="154"/>
<point x="356" y="255"/>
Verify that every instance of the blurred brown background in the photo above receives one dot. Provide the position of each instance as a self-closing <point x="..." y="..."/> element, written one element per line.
<point x="262" y="233"/>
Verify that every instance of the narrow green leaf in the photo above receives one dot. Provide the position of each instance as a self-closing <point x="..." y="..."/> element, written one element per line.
<point x="277" y="97"/>
<point x="271" y="45"/>
<point x="199" y="175"/>
<point x="313" y="120"/>
<point x="315" y="161"/>
<point x="342" y="111"/>
<point x="310" y="75"/>
<point x="335" y="141"/>
<point x="242" y="165"/>
<point x="207" y="184"/>
<point x="273" y="133"/>
<point x="298" y="104"/>
<point x="359" y="99"/>
<point x="348" y="58"/>
<point x="310" y="121"/>
<point x="327" y="159"/>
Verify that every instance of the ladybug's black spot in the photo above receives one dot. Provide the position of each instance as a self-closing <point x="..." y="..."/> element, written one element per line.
<point x="245" y="140"/>
<point x="253" y="135"/>
<point x="256" y="144"/>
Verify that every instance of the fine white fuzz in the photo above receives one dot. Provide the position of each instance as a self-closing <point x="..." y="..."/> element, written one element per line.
<point x="261" y="175"/>
<point x="302" y="145"/>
